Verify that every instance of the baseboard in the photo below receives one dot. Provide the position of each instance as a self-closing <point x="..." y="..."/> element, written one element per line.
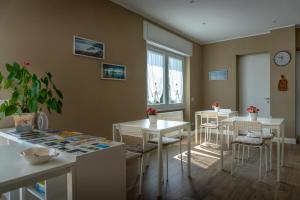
<point x="286" y="140"/>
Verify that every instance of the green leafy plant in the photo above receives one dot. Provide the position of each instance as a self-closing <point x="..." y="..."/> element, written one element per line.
<point x="29" y="93"/>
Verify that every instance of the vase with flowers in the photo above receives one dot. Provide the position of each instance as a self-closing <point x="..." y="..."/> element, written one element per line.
<point x="152" y="115"/>
<point x="216" y="106"/>
<point x="253" y="112"/>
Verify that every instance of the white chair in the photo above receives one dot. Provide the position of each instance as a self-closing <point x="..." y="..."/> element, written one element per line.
<point x="242" y="138"/>
<point x="142" y="146"/>
<point x="209" y="121"/>
<point x="225" y="110"/>
<point x="267" y="136"/>
<point x="172" y="138"/>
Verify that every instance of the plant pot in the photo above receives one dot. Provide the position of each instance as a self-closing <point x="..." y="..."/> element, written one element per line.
<point x="217" y="109"/>
<point x="24" y="122"/>
<point x="153" y="119"/>
<point x="253" y="116"/>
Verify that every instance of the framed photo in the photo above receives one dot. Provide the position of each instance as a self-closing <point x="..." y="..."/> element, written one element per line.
<point x="219" y="75"/>
<point x="113" y="72"/>
<point x="88" y="48"/>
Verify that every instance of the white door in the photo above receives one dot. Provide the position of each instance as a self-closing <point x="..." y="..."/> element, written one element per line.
<point x="254" y="83"/>
<point x="298" y="93"/>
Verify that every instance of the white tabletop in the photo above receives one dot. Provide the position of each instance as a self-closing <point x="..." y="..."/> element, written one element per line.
<point x="159" y="126"/>
<point x="14" y="169"/>
<point x="264" y="121"/>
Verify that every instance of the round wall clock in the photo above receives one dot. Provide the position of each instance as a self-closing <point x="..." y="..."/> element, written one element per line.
<point x="282" y="58"/>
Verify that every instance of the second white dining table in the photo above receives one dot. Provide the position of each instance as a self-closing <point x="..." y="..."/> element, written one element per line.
<point x="161" y="128"/>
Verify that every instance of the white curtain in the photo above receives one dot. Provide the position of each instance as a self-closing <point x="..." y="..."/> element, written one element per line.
<point x="175" y="80"/>
<point x="155" y="65"/>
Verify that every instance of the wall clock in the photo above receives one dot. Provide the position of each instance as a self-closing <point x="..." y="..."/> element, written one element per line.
<point x="282" y="58"/>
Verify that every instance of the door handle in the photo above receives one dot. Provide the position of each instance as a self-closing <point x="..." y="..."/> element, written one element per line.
<point x="267" y="99"/>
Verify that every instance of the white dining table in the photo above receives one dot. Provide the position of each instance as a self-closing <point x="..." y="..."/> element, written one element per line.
<point x="222" y="114"/>
<point x="161" y="128"/>
<point x="16" y="173"/>
<point x="271" y="123"/>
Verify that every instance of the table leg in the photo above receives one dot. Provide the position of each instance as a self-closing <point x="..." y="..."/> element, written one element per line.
<point x="114" y="133"/>
<point x="196" y="129"/>
<point x="22" y="193"/>
<point x="278" y="153"/>
<point x="189" y="151"/>
<point x="71" y="195"/>
<point x="159" y="166"/>
<point x="221" y="143"/>
<point x="283" y="144"/>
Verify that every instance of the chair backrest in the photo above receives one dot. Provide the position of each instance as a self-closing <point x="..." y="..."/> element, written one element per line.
<point x="172" y="116"/>
<point x="223" y="110"/>
<point x="248" y="126"/>
<point x="134" y="133"/>
<point x="209" y="116"/>
<point x="130" y="131"/>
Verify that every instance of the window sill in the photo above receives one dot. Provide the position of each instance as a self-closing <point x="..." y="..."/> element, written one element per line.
<point x="167" y="109"/>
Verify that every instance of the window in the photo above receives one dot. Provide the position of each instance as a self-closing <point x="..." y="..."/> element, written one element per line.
<point x="165" y="82"/>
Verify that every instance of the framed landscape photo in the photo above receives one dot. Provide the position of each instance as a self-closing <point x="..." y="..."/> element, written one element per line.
<point x="219" y="75"/>
<point x="88" y="48"/>
<point x="113" y="72"/>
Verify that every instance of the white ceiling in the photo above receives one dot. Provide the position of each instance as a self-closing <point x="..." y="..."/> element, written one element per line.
<point x="224" y="19"/>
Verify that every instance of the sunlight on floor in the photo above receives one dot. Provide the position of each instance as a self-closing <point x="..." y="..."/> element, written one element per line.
<point x="201" y="156"/>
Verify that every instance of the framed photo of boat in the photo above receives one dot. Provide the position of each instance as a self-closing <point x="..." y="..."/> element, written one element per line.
<point x="113" y="72"/>
<point x="88" y="48"/>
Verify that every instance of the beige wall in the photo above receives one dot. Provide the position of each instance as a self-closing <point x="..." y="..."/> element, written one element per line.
<point x="225" y="54"/>
<point x="42" y="32"/>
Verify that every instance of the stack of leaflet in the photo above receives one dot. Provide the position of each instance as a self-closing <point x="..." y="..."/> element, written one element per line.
<point x="40" y="188"/>
<point x="31" y="135"/>
<point x="73" y="142"/>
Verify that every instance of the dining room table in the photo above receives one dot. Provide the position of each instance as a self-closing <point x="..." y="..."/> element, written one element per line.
<point x="161" y="128"/>
<point x="269" y="123"/>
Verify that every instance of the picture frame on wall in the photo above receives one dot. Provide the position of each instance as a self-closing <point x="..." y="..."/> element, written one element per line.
<point x="88" y="48"/>
<point x="218" y="75"/>
<point x="111" y="71"/>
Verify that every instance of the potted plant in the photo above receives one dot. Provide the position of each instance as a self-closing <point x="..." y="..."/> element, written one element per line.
<point x="216" y="106"/>
<point x="29" y="94"/>
<point x="253" y="112"/>
<point x="152" y="115"/>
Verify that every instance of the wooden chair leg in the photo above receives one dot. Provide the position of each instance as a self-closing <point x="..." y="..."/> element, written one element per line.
<point x="238" y="149"/>
<point x="259" y="172"/>
<point x="141" y="174"/>
<point x="180" y="147"/>
<point x="271" y="146"/>
<point x="205" y="132"/>
<point x="248" y="152"/>
<point x="266" y="157"/>
<point x="217" y="136"/>
<point x="200" y="135"/>
<point x="243" y="154"/>
<point x="167" y="164"/>
<point x="233" y="158"/>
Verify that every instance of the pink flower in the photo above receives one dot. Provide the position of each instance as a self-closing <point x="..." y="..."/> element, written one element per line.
<point x="252" y="109"/>
<point x="151" y="111"/>
<point x="26" y="63"/>
<point x="215" y="104"/>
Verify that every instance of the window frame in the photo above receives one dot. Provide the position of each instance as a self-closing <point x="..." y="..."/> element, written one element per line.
<point x="166" y="105"/>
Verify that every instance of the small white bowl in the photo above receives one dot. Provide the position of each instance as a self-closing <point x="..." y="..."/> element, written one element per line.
<point x="38" y="155"/>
